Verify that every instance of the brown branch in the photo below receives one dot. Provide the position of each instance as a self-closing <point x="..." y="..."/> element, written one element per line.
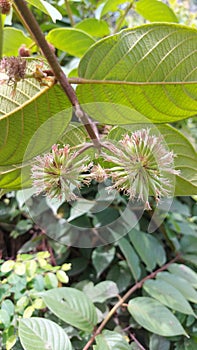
<point x="36" y="33"/>
<point x="136" y="341"/>
<point x="137" y="286"/>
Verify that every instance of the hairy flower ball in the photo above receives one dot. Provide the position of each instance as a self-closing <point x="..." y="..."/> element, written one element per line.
<point x="54" y="173"/>
<point x="14" y="68"/>
<point x="141" y="165"/>
<point x="5" y="6"/>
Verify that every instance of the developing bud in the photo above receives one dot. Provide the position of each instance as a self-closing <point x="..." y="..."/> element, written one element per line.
<point x="23" y="51"/>
<point x="5" y="7"/>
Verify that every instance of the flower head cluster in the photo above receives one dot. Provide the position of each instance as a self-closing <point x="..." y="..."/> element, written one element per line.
<point x="56" y="172"/>
<point x="14" y="68"/>
<point x="140" y="166"/>
<point x="5" y="6"/>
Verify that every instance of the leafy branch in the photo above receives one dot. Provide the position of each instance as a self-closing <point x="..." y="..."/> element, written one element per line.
<point x="137" y="286"/>
<point x="36" y="32"/>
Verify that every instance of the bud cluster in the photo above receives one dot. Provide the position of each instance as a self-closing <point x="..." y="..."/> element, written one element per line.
<point x="14" y="68"/>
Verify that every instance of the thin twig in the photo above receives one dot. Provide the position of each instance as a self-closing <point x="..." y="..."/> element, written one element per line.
<point x="137" y="286"/>
<point x="69" y="13"/>
<point x="39" y="38"/>
<point x="136" y="341"/>
<point x="122" y="18"/>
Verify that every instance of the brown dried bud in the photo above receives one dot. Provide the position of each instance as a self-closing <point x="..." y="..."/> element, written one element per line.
<point x="5" y="7"/>
<point x="23" y="51"/>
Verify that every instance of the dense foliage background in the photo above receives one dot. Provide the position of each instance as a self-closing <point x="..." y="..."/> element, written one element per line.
<point x="138" y="292"/>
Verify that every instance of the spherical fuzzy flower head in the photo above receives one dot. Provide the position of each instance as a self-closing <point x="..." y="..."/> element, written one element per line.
<point x="54" y="173"/>
<point x="141" y="163"/>
<point x="14" y="67"/>
<point x="5" y="7"/>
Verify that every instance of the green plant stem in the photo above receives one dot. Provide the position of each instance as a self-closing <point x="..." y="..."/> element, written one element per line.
<point x="122" y="18"/>
<point x="69" y="12"/>
<point x="1" y="36"/>
<point x="137" y="286"/>
<point x="39" y="38"/>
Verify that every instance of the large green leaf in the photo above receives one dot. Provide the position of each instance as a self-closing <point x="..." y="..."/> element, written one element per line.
<point x="185" y="272"/>
<point x="111" y="341"/>
<point x="149" y="248"/>
<point x="155" y="11"/>
<point x="181" y="284"/>
<point x="71" y="306"/>
<point x="101" y="291"/>
<point x="131" y="257"/>
<point x="155" y="317"/>
<point x="39" y="333"/>
<point x="12" y="39"/>
<point x="47" y="8"/>
<point x="151" y="68"/>
<point x="74" y="41"/>
<point x="94" y="27"/>
<point x="22" y="114"/>
<point x="168" y="295"/>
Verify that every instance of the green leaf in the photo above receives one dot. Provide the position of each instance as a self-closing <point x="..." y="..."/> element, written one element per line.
<point x="71" y="40"/>
<point x="71" y="306"/>
<point x="155" y="11"/>
<point x="8" y="306"/>
<point x="39" y="333"/>
<point x="101" y="291"/>
<point x="4" y="318"/>
<point x="185" y="160"/>
<point x="111" y="6"/>
<point x="150" y="69"/>
<point x="22" y="115"/>
<point x="47" y="8"/>
<point x="155" y="317"/>
<point x="94" y="27"/>
<point x="159" y="343"/>
<point x="109" y="340"/>
<point x="181" y="284"/>
<point x="102" y="257"/>
<point x="50" y="280"/>
<point x="131" y="257"/>
<point x="12" y="39"/>
<point x="168" y="295"/>
<point x="149" y="249"/>
<point x="185" y="272"/>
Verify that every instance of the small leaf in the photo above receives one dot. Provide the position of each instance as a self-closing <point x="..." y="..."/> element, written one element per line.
<point x="10" y="342"/>
<point x="155" y="11"/>
<point x="4" y="318"/>
<point x="109" y="340"/>
<point x="50" y="280"/>
<point x="71" y="306"/>
<point x="184" y="272"/>
<point x="111" y="6"/>
<point x="62" y="276"/>
<point x="19" y="268"/>
<point x="168" y="295"/>
<point x="28" y="312"/>
<point x="7" y="266"/>
<point x="39" y="333"/>
<point x="71" y="40"/>
<point x="131" y="257"/>
<point x="155" y="317"/>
